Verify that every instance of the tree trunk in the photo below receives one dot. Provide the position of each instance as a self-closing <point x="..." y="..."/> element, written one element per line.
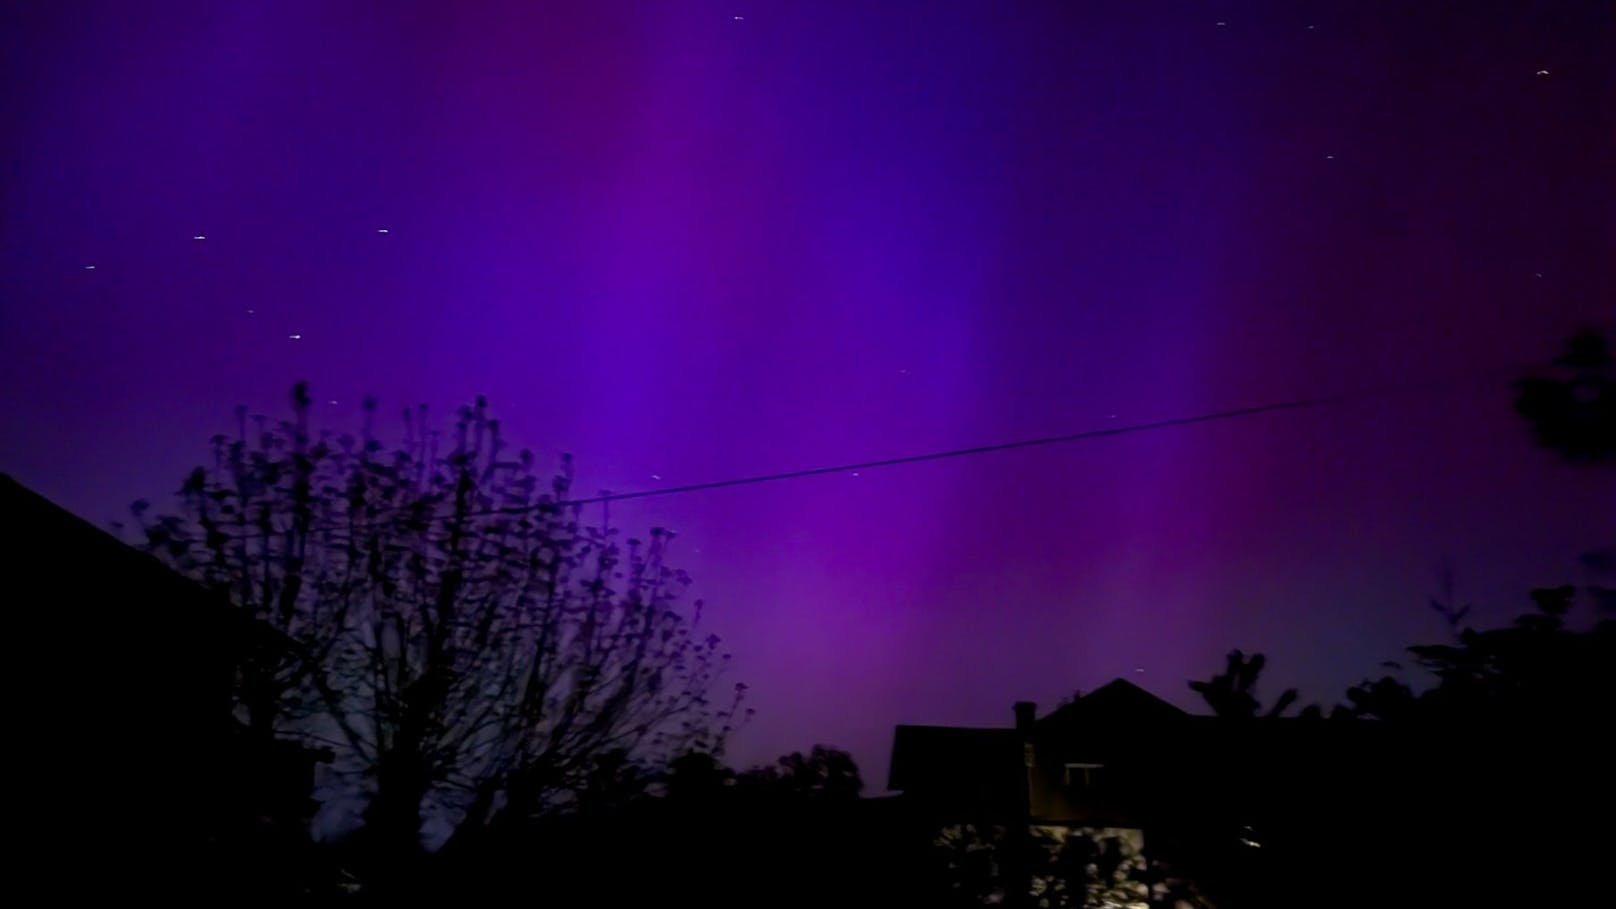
<point x="392" y="820"/>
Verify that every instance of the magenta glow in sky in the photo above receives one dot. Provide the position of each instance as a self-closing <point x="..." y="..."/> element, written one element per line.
<point x="689" y="241"/>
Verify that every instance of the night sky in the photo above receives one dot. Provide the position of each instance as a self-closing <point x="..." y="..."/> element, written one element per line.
<point x="689" y="241"/>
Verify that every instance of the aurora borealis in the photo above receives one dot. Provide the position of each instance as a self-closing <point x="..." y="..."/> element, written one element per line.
<point x="686" y="241"/>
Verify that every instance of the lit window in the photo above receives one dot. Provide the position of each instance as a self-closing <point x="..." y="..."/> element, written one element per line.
<point x="1080" y="776"/>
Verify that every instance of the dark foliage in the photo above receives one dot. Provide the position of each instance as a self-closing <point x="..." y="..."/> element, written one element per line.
<point x="698" y="833"/>
<point x="1479" y="789"/>
<point x="1233" y="692"/>
<point x="1572" y="408"/>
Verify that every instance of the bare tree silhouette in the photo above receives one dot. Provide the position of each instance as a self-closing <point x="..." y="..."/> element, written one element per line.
<point x="467" y="644"/>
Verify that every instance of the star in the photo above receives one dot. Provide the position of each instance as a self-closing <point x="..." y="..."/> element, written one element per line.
<point x="740" y="18"/>
<point x="1221" y="23"/>
<point x="294" y="337"/>
<point x="199" y="237"/>
<point x="1543" y="74"/>
<point x="89" y="268"/>
<point x="1329" y="157"/>
<point x="381" y="230"/>
<point x="656" y="476"/>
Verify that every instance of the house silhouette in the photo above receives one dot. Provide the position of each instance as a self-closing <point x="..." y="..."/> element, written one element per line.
<point x="128" y="764"/>
<point x="1099" y="760"/>
<point x="1284" y="811"/>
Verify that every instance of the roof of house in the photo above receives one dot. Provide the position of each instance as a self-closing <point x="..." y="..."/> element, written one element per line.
<point x="929" y="756"/>
<point x="86" y="582"/>
<point x="1116" y="700"/>
<point x="986" y="766"/>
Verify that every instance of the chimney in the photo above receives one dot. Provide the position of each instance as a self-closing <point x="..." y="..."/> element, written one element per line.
<point x="1026" y="713"/>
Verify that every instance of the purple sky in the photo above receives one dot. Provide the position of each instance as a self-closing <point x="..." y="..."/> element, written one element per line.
<point x="698" y="240"/>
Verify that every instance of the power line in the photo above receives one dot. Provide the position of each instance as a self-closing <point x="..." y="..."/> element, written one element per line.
<point x="1425" y="386"/>
<point x="1298" y="404"/>
<point x="951" y="453"/>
